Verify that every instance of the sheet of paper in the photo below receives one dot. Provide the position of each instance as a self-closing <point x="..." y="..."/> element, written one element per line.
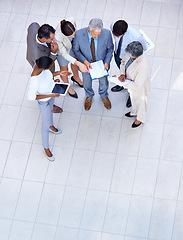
<point x="97" y="70"/>
<point x="117" y="82"/>
<point x="149" y="43"/>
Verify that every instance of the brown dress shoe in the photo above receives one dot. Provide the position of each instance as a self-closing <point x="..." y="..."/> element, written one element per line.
<point x="88" y="103"/>
<point x="57" y="109"/>
<point x="106" y="102"/>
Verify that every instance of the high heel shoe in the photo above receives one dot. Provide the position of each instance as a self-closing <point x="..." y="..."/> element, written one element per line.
<point x="72" y="78"/>
<point x="73" y="95"/>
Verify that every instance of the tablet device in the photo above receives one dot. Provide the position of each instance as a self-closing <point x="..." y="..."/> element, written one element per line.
<point x="61" y="88"/>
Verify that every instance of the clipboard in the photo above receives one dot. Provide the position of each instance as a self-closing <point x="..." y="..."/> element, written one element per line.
<point x="97" y="70"/>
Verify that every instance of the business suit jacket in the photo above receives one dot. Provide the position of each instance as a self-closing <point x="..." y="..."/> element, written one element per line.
<point x="139" y="73"/>
<point x="34" y="49"/>
<point x="81" y="46"/>
<point x="64" y="44"/>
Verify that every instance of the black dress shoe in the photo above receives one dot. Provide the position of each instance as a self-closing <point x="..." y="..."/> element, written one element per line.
<point x="73" y="95"/>
<point x="76" y="82"/>
<point x="128" y="103"/>
<point x="117" y="88"/>
<point x="128" y="115"/>
<point x="136" y="125"/>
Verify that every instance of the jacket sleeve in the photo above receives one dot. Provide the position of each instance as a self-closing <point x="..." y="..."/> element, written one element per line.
<point x="110" y="49"/>
<point x="140" y="78"/>
<point x="76" y="49"/>
<point x="63" y="52"/>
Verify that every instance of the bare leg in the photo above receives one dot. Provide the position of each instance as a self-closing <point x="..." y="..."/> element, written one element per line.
<point x="65" y="79"/>
<point x="76" y="74"/>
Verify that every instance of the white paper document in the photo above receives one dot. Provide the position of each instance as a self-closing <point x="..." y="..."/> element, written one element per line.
<point x="97" y="70"/>
<point x="118" y="82"/>
<point x="149" y="43"/>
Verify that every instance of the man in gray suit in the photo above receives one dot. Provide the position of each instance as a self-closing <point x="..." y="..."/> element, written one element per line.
<point x="93" y="44"/>
<point x="39" y="44"/>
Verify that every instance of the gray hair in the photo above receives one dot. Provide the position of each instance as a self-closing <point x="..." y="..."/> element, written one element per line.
<point x="96" y="23"/>
<point x="134" y="49"/>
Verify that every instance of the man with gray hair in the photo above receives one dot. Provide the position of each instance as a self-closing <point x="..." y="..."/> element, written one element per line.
<point x="93" y="44"/>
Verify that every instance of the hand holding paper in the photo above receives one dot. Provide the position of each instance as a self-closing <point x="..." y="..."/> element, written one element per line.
<point x="98" y="70"/>
<point x="118" y="82"/>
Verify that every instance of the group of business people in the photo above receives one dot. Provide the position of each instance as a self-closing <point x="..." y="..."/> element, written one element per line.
<point x="81" y="48"/>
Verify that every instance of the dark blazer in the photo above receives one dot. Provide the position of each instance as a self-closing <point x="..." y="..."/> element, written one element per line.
<point x="34" y="49"/>
<point x="81" y="46"/>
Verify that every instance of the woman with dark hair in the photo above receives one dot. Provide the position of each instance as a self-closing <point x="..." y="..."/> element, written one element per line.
<point x="135" y="66"/>
<point x="41" y="85"/>
<point x="64" y="35"/>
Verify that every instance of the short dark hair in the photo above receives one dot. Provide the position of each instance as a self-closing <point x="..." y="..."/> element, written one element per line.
<point x="67" y="27"/>
<point x="45" y="30"/>
<point x="44" y="62"/>
<point x="134" y="49"/>
<point x="119" y="28"/>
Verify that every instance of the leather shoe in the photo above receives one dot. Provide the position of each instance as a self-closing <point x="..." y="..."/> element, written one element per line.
<point x="117" y="88"/>
<point x="73" y="95"/>
<point x="128" y="103"/>
<point x="136" y="125"/>
<point x="129" y="115"/>
<point x="88" y="103"/>
<point x="106" y="103"/>
<point x="57" y="109"/>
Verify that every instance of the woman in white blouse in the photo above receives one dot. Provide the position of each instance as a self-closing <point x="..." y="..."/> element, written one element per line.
<point x="64" y="35"/>
<point x="41" y="85"/>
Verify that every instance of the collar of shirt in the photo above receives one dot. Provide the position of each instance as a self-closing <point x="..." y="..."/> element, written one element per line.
<point x="95" y="41"/>
<point x="44" y="43"/>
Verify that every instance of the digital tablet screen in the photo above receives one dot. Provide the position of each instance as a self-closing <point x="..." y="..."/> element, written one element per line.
<point x="60" y="88"/>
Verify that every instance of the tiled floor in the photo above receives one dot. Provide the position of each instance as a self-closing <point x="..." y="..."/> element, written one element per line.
<point x="109" y="181"/>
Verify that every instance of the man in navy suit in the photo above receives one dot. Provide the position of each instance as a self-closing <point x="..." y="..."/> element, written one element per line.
<point x="93" y="44"/>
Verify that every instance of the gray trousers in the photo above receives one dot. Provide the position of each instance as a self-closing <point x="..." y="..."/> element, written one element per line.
<point x="46" y="109"/>
<point x="87" y="84"/>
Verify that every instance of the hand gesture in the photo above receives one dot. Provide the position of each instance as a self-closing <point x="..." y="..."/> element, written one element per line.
<point x="87" y="64"/>
<point x="121" y="78"/>
<point x="106" y="66"/>
<point x="83" y="67"/>
<point x="57" y="80"/>
<point x="54" y="47"/>
<point x="65" y="73"/>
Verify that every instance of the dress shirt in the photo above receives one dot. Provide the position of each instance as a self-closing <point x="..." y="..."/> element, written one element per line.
<point x="95" y="41"/>
<point x="131" y="35"/>
<point x="41" y="84"/>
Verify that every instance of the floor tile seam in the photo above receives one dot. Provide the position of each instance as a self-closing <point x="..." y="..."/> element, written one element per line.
<point x="66" y="185"/>
<point x="177" y="29"/>
<point x="176" y="206"/>
<point x="87" y="190"/>
<point x="108" y="197"/>
<point x="158" y="167"/>
<point x="39" y="203"/>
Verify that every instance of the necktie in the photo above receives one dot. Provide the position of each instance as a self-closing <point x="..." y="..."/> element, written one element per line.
<point x="49" y="45"/>
<point x="119" y="46"/>
<point x="92" y="47"/>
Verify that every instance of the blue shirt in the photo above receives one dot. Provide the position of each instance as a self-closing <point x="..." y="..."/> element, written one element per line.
<point x="95" y="41"/>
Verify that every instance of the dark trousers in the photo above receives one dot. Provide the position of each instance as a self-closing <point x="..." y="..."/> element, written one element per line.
<point x="117" y="60"/>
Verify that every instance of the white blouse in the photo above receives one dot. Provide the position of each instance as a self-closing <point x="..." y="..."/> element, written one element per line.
<point x="41" y="84"/>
